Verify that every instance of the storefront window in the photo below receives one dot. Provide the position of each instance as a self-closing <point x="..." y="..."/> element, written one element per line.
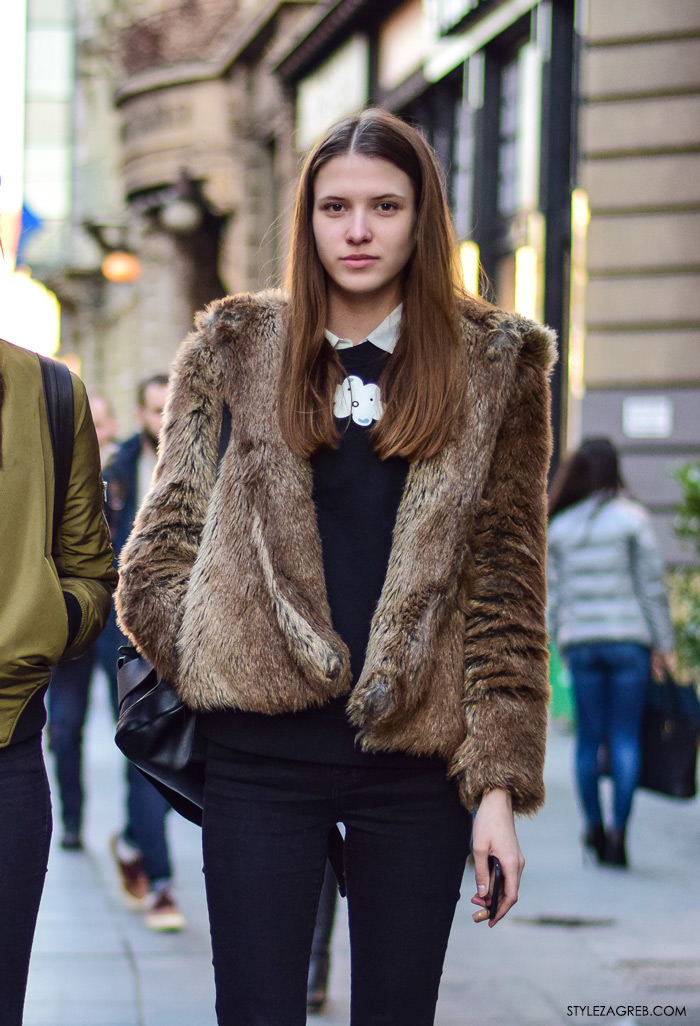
<point x="519" y="120"/>
<point x="447" y="14"/>
<point x="508" y="141"/>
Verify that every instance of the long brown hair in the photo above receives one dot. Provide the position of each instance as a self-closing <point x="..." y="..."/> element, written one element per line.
<point x="593" y="469"/>
<point x="420" y="384"/>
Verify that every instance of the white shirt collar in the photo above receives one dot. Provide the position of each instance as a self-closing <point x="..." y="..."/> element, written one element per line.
<point x="385" y="336"/>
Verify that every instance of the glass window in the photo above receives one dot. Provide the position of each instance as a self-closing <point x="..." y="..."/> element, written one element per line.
<point x="49" y="11"/>
<point x="508" y="141"/>
<point x="519" y="118"/>
<point x="49" y="64"/>
<point x="47" y="181"/>
<point x="47" y="123"/>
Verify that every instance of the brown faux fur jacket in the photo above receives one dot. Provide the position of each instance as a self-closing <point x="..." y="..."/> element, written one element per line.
<point x="222" y="585"/>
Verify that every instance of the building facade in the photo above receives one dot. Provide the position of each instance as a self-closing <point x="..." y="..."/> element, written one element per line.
<point x="639" y="164"/>
<point x="182" y="165"/>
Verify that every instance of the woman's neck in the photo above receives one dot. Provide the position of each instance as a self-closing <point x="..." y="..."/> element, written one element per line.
<point x="354" y="317"/>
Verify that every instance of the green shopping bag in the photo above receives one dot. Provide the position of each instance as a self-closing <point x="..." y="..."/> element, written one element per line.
<point x="561" y="703"/>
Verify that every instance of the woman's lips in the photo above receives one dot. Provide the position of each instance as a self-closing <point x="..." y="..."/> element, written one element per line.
<point x="359" y="261"/>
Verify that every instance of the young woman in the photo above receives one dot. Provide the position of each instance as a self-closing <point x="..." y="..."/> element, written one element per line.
<point x="608" y="612"/>
<point x="356" y="604"/>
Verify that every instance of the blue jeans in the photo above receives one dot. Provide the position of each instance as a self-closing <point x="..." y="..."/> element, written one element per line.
<point x="67" y="706"/>
<point x="610" y="681"/>
<point x="67" y="702"/>
<point x="265" y="834"/>
<point x="25" y="834"/>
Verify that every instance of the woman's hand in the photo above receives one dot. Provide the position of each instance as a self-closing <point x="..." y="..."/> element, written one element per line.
<point x="663" y="663"/>
<point x="494" y="834"/>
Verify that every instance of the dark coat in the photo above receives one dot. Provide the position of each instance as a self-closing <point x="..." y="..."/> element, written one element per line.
<point x="120" y="477"/>
<point x="222" y="584"/>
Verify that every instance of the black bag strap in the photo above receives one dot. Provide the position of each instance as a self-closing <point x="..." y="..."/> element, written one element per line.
<point x="58" y="394"/>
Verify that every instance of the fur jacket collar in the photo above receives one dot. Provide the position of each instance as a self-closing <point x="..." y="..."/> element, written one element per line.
<point x="222" y="584"/>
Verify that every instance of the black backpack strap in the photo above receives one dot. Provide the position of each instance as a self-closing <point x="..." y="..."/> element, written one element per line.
<point x="58" y="393"/>
<point x="224" y="436"/>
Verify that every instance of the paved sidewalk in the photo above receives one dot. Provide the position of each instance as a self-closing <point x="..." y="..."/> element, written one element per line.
<point x="580" y="935"/>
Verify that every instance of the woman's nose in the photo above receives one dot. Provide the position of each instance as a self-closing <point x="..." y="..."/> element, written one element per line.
<point x="358" y="229"/>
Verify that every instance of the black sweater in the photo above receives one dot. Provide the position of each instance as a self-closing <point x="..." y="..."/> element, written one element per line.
<point x="356" y="497"/>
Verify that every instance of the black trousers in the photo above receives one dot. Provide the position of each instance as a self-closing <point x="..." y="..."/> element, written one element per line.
<point x="25" y="834"/>
<point x="266" y="824"/>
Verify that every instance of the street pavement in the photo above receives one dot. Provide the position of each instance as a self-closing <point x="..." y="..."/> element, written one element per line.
<point x="584" y="943"/>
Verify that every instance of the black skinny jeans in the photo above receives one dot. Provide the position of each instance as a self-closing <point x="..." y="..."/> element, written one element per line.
<point x="25" y="834"/>
<point x="266" y="824"/>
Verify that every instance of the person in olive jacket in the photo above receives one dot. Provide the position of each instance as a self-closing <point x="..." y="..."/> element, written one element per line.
<point x="53" y="604"/>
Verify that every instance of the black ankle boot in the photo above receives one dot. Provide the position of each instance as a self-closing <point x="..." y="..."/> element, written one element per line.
<point x="72" y="841"/>
<point x="595" y="841"/>
<point x="615" y="853"/>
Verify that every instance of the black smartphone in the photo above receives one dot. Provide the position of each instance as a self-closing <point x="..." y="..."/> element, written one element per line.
<point x="495" y="881"/>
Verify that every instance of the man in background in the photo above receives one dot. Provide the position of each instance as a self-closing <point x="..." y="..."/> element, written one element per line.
<point x="105" y="426"/>
<point x="140" y="849"/>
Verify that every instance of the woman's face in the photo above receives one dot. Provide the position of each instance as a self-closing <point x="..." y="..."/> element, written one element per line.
<point x="363" y="221"/>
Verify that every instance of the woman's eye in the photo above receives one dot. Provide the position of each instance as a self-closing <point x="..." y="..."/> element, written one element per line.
<point x="386" y="207"/>
<point x="334" y="208"/>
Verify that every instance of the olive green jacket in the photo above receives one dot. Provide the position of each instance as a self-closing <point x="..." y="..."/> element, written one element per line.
<point x="33" y="616"/>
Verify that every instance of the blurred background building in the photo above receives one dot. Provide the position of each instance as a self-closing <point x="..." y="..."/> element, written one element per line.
<point x="163" y="140"/>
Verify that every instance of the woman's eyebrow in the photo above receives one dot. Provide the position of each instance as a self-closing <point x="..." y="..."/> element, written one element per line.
<point x="372" y="199"/>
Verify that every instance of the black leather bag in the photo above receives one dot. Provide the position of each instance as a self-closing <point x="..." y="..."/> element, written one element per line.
<point x="156" y="731"/>
<point x="669" y="740"/>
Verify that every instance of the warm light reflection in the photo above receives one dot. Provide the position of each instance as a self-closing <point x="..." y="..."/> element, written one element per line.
<point x="580" y="218"/>
<point x="580" y="211"/>
<point x="30" y="314"/>
<point x="121" y="267"/>
<point x="469" y="257"/>
<point x="526" y="282"/>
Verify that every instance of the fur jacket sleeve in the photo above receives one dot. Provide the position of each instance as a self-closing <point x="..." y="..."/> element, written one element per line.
<point x="506" y="659"/>
<point x="222" y="585"/>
